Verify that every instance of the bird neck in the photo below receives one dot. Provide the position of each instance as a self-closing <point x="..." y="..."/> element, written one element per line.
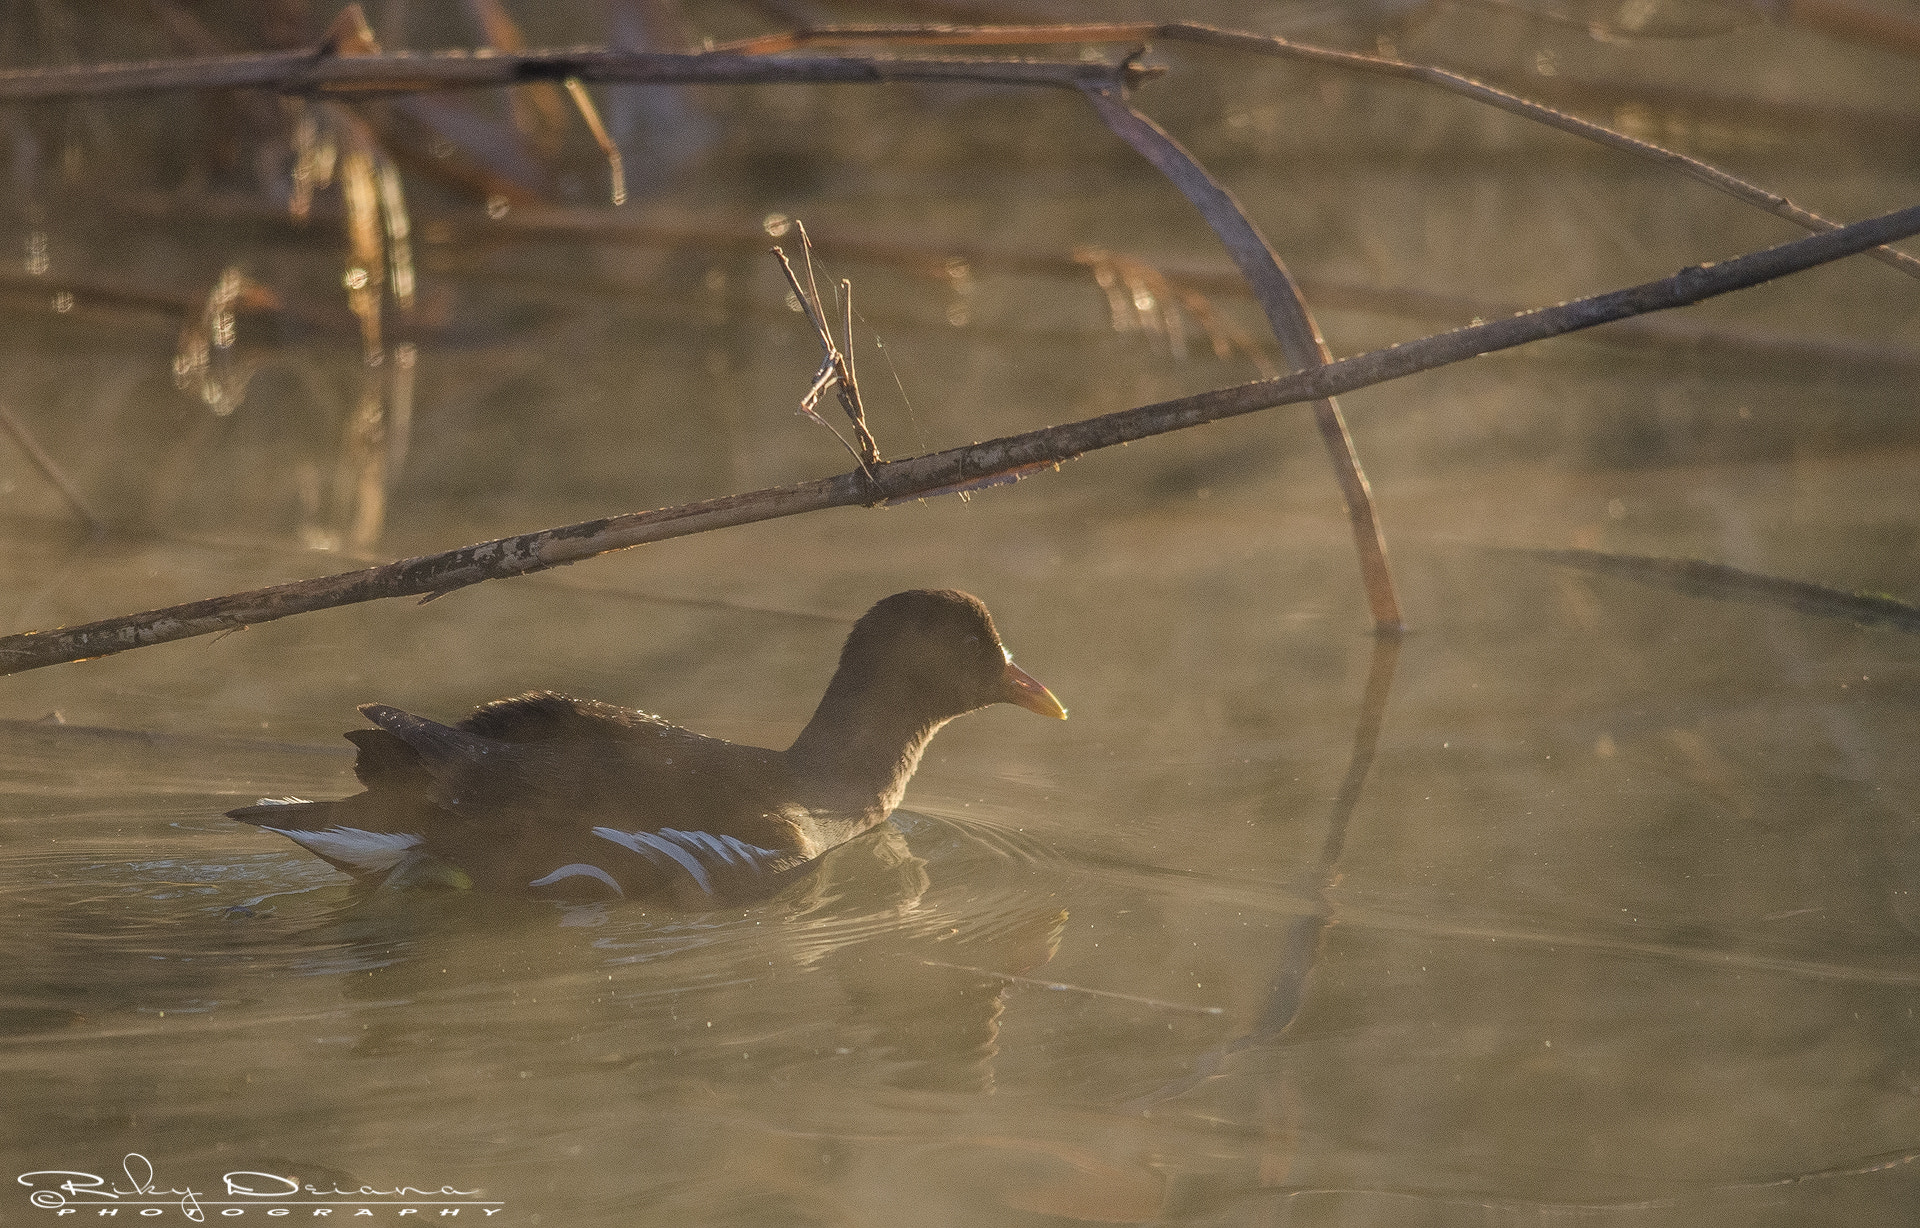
<point x="857" y="753"/>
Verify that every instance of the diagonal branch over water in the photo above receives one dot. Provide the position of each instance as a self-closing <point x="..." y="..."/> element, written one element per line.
<point x="904" y="479"/>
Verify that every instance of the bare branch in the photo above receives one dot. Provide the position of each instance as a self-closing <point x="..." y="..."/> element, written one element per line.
<point x="1273" y="45"/>
<point x="951" y="36"/>
<point x="319" y="72"/>
<point x="974" y="465"/>
<point x="324" y="70"/>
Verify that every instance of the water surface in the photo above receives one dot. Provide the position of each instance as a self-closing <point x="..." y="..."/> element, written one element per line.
<point x="1619" y="929"/>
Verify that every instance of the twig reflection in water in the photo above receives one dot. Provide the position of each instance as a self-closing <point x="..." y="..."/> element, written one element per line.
<point x="1301" y="947"/>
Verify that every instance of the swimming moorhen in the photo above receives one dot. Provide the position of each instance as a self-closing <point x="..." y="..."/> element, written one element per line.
<point x="578" y="799"/>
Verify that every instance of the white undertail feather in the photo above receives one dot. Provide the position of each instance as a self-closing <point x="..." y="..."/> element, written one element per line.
<point x="363" y="850"/>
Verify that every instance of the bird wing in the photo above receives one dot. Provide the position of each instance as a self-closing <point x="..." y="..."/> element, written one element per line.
<point x="541" y="761"/>
<point x="539" y="716"/>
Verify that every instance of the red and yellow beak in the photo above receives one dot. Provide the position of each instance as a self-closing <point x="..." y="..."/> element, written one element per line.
<point x="1024" y="689"/>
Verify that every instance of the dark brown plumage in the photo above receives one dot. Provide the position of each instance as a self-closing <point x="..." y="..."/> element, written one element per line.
<point x="582" y="799"/>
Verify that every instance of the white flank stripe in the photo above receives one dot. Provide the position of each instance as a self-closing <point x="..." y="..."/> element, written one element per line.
<point x="701" y="843"/>
<point x="575" y="870"/>
<point x="649" y="845"/>
<point x="689" y="848"/>
<point x="365" y="850"/>
<point x="729" y="848"/>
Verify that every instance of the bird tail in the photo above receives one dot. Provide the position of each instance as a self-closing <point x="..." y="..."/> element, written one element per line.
<point x="296" y="812"/>
<point x="440" y="749"/>
<point x="356" y="840"/>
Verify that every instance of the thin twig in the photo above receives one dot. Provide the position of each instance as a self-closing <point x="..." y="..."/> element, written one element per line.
<point x="1286" y="313"/>
<point x="1273" y="45"/>
<point x="539" y="114"/>
<point x="590" y="114"/>
<point x="905" y="479"/>
<point x="49" y="469"/>
<point x="849" y="384"/>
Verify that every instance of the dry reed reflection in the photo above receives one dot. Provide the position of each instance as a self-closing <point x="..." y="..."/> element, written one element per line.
<point x="959" y="469"/>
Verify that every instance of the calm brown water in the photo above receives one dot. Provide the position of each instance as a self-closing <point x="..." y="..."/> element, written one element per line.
<point x="1621" y="931"/>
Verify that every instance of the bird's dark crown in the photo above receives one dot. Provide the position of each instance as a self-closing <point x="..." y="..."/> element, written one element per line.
<point x="940" y="643"/>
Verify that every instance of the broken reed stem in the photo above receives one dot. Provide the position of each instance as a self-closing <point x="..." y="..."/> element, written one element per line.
<point x="320" y="72"/>
<point x="1286" y="312"/>
<point x="833" y="371"/>
<point x="837" y="363"/>
<point x="971" y="466"/>
<point x="848" y="386"/>
<point x="1282" y="48"/>
<point x="590" y="115"/>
